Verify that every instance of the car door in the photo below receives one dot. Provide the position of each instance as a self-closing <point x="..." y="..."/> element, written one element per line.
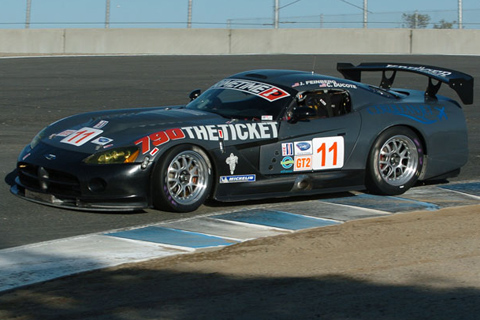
<point x="312" y="144"/>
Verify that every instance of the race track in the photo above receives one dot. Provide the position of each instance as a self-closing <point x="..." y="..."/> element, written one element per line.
<point x="38" y="91"/>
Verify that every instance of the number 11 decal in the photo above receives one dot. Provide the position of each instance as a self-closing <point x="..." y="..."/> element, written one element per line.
<point x="328" y="153"/>
<point x="82" y="136"/>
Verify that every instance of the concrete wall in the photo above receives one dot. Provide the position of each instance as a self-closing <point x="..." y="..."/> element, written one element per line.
<point x="239" y="41"/>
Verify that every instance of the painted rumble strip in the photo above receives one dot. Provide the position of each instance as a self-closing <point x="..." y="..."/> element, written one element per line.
<point x="277" y="219"/>
<point x="173" y="237"/>
<point x="44" y="261"/>
<point x="384" y="203"/>
<point x="472" y="188"/>
<point x="54" y="259"/>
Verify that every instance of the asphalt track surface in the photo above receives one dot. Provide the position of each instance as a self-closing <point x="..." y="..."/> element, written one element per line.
<point x="38" y="91"/>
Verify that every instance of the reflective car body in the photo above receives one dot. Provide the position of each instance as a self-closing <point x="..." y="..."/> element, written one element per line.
<point x="257" y="134"/>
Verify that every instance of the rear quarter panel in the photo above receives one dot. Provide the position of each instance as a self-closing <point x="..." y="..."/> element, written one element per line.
<point x="440" y="124"/>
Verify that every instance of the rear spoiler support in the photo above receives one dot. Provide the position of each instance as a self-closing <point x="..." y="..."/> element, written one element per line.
<point x="462" y="83"/>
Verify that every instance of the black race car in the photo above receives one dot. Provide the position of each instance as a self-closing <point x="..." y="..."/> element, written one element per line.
<point x="257" y="134"/>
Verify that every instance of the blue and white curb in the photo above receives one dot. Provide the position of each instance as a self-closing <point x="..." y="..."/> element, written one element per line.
<point x="44" y="261"/>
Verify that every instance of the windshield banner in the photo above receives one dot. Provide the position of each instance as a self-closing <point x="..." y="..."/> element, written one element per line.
<point x="260" y="89"/>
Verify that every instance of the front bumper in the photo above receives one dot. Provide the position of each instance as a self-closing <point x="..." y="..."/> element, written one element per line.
<point x="117" y="205"/>
<point x="69" y="183"/>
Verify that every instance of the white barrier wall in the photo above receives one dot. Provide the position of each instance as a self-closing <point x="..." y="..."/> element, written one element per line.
<point x="315" y="41"/>
<point x="452" y="41"/>
<point x="32" y="41"/>
<point x="239" y="41"/>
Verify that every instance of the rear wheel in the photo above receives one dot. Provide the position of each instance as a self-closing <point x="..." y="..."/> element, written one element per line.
<point x="395" y="162"/>
<point x="182" y="180"/>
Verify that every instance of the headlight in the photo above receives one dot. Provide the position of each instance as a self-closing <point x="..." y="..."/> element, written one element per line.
<point x="36" y="140"/>
<point x="114" y="156"/>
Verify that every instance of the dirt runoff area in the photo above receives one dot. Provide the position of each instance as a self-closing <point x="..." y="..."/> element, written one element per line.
<point x="420" y="265"/>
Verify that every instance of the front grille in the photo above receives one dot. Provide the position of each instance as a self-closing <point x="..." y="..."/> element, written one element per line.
<point x="48" y="180"/>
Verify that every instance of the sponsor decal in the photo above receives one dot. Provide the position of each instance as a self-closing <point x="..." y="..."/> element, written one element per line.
<point x="440" y="73"/>
<point x="420" y="113"/>
<point x="220" y="141"/>
<point x="260" y="89"/>
<point x="65" y="133"/>
<point x="232" y="161"/>
<point x="220" y="132"/>
<point x="325" y="84"/>
<point x="102" y="141"/>
<point x="231" y="132"/>
<point x="238" y="178"/>
<point x="267" y="118"/>
<point x="287" y="162"/>
<point x="50" y="156"/>
<point x="287" y="149"/>
<point x="303" y="147"/>
<point x="327" y="153"/>
<point x="303" y="163"/>
<point x="154" y="152"/>
<point x="101" y="124"/>
<point x="82" y="136"/>
<point x="158" y="138"/>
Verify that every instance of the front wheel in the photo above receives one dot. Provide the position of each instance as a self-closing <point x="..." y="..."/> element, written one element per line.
<point x="182" y="179"/>
<point x="395" y="162"/>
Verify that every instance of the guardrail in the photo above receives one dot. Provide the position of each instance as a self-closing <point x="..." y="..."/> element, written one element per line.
<point x="240" y="41"/>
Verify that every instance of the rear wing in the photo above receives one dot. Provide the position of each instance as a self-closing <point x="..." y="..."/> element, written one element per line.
<point x="462" y="83"/>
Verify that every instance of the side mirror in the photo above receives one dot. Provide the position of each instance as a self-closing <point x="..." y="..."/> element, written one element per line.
<point x="194" y="94"/>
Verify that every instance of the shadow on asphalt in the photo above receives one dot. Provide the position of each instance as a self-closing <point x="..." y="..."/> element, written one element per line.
<point x="10" y="178"/>
<point x="149" y="294"/>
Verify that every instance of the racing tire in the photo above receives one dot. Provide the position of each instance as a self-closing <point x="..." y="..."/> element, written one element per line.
<point x="395" y="162"/>
<point x="182" y="180"/>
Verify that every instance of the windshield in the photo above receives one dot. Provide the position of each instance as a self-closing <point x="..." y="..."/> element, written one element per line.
<point x="243" y="100"/>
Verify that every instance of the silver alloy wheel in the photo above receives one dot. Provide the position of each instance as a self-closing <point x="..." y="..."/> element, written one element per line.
<point x="398" y="160"/>
<point x="187" y="177"/>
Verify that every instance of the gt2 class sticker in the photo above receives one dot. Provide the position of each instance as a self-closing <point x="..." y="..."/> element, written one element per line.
<point x="260" y="89"/>
<point x="220" y="132"/>
<point x="303" y="163"/>
<point x="82" y="136"/>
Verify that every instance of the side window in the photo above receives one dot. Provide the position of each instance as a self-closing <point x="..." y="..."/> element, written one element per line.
<point x="324" y="103"/>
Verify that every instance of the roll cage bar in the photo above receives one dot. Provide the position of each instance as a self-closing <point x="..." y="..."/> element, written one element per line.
<point x="462" y="83"/>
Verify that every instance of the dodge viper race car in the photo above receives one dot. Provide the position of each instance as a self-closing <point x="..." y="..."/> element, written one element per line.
<point x="257" y="134"/>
